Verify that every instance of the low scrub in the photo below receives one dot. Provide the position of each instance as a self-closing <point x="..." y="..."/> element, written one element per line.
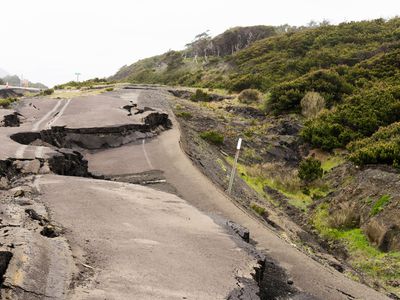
<point x="286" y="97"/>
<point x="380" y="204"/>
<point x="212" y="137"/>
<point x="258" y="209"/>
<point x="310" y="170"/>
<point x="383" y="147"/>
<point x="7" y="102"/>
<point x="358" y="117"/>
<point x="47" y="92"/>
<point x="346" y="217"/>
<point x="200" y="95"/>
<point x="249" y="96"/>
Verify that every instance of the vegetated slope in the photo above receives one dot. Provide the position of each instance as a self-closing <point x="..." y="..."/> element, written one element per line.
<point x="354" y="66"/>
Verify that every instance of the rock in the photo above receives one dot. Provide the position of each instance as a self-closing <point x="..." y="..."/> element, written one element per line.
<point x="50" y="231"/>
<point x="4" y="183"/>
<point x="19" y="193"/>
<point x="246" y="111"/>
<point x="31" y="166"/>
<point x="290" y="281"/>
<point x="243" y="232"/>
<point x="286" y="127"/>
<point x="45" y="169"/>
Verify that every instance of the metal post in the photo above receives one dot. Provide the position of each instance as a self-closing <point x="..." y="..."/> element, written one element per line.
<point x="77" y="76"/>
<point x="234" y="166"/>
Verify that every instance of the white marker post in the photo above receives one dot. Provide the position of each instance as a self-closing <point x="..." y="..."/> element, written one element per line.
<point x="239" y="144"/>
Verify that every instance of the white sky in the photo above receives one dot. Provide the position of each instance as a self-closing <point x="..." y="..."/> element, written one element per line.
<point x="50" y="40"/>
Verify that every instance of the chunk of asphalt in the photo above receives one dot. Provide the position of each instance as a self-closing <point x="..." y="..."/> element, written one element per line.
<point x="243" y="232"/>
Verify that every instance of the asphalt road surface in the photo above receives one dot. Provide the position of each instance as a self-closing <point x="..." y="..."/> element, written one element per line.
<point x="140" y="243"/>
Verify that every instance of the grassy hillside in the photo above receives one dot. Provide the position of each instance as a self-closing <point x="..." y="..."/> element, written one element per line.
<point x="353" y="66"/>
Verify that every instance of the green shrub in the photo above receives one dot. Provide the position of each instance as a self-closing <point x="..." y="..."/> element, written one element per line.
<point x="7" y="102"/>
<point x="212" y="137"/>
<point x="48" y="92"/>
<point x="258" y="209"/>
<point x="109" y="89"/>
<point x="358" y="117"/>
<point x="249" y="96"/>
<point x="310" y="169"/>
<point x="383" y="147"/>
<point x="200" y="95"/>
<point x="286" y="97"/>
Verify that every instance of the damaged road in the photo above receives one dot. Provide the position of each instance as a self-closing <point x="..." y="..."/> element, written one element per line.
<point x="96" y="235"/>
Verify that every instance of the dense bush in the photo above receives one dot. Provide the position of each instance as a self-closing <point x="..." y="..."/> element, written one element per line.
<point x="359" y="116"/>
<point x="310" y="169"/>
<point x="249" y="96"/>
<point x="287" y="97"/>
<point x="383" y="147"/>
<point x="213" y="137"/>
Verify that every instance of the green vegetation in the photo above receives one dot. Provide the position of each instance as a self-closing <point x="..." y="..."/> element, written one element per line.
<point x="212" y="137"/>
<point x="88" y="84"/>
<point x="358" y="117"/>
<point x="353" y="68"/>
<point x="258" y="209"/>
<point x="286" y="97"/>
<point x="5" y="103"/>
<point x="249" y="96"/>
<point x="331" y="162"/>
<point x="380" y="204"/>
<point x="382" y="147"/>
<point x="200" y="95"/>
<point x="47" y="92"/>
<point x="110" y="89"/>
<point x="184" y="114"/>
<point x="310" y="170"/>
<point x="370" y="260"/>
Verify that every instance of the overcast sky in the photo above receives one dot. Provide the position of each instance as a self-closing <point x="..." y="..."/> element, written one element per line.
<point x="50" y="40"/>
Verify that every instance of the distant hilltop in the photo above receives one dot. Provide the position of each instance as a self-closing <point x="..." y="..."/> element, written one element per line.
<point x="14" y="80"/>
